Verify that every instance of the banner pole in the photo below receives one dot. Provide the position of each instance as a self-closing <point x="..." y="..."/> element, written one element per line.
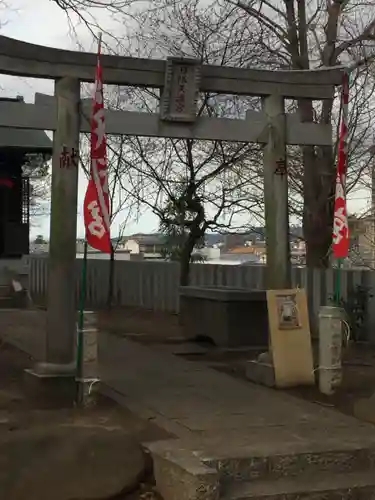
<point x="81" y="322"/>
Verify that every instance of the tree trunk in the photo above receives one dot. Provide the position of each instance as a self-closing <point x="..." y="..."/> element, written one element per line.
<point x="318" y="163"/>
<point x="184" y="272"/>
<point x="185" y="261"/>
<point x="318" y="193"/>
<point x="111" y="279"/>
<point x="319" y="185"/>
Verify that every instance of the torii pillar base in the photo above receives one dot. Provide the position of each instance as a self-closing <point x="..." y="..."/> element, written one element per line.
<point x="51" y="386"/>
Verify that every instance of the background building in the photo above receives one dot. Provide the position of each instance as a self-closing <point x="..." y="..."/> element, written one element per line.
<point x="16" y="146"/>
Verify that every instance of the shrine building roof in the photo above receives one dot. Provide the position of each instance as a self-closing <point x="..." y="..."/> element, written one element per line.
<point x="29" y="141"/>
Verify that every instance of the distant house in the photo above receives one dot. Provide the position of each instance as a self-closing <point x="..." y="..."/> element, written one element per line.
<point x="245" y="255"/>
<point x="208" y="253"/>
<point x="232" y="241"/>
<point x="39" y="248"/>
<point x="257" y="250"/>
<point x="150" y="245"/>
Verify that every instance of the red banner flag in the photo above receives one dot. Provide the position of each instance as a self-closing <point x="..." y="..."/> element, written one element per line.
<point x="340" y="238"/>
<point x="97" y="205"/>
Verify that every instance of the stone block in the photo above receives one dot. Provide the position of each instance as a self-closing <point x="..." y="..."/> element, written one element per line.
<point x="180" y="475"/>
<point x="260" y="373"/>
<point x="14" y="296"/>
<point x="230" y="317"/>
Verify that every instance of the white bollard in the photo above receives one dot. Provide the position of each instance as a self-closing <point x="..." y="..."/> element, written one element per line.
<point x="331" y="323"/>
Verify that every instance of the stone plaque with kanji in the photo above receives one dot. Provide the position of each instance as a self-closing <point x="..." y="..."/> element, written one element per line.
<point x="181" y="90"/>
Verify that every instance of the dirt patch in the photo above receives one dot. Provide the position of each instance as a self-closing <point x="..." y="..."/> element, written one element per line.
<point x="90" y="462"/>
<point x="358" y="381"/>
<point x="20" y="416"/>
<point x="156" y="325"/>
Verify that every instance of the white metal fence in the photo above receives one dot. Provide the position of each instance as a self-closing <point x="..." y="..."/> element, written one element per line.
<point x="154" y="285"/>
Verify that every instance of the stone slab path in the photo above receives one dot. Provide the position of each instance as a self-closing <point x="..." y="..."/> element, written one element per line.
<point x="192" y="401"/>
<point x="200" y="404"/>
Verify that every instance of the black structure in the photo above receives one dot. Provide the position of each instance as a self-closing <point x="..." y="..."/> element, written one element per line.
<point x="15" y="146"/>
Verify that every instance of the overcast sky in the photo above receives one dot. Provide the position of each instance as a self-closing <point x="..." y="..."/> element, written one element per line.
<point x="42" y="22"/>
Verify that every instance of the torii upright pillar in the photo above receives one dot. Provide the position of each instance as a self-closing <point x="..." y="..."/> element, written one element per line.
<point x="276" y="196"/>
<point x="61" y="315"/>
<point x="58" y="367"/>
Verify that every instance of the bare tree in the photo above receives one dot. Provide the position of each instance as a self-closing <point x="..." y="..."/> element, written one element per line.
<point x="276" y="34"/>
<point x="193" y="187"/>
<point x="37" y="169"/>
<point x="188" y="184"/>
<point x="89" y="12"/>
<point x="85" y="9"/>
<point x="311" y="34"/>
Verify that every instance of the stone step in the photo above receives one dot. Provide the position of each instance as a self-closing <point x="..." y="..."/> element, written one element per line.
<point x="321" y="486"/>
<point x="5" y="291"/>
<point x="4" y="278"/>
<point x="226" y="466"/>
<point x="274" y="452"/>
<point x="179" y="474"/>
<point x="10" y="298"/>
<point x="274" y="466"/>
<point x="283" y="476"/>
<point x="7" y="303"/>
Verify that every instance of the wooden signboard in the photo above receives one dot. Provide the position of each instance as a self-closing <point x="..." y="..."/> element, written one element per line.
<point x="290" y="339"/>
<point x="181" y="90"/>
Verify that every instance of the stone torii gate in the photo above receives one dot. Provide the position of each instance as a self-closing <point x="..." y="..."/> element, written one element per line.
<point x="180" y="81"/>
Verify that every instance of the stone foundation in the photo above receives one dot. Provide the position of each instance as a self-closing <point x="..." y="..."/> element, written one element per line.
<point x="49" y="390"/>
<point x="230" y="317"/>
<point x="260" y="373"/>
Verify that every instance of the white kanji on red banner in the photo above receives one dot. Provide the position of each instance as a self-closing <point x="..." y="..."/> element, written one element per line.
<point x="340" y="236"/>
<point x="97" y="204"/>
<point x="340" y="221"/>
